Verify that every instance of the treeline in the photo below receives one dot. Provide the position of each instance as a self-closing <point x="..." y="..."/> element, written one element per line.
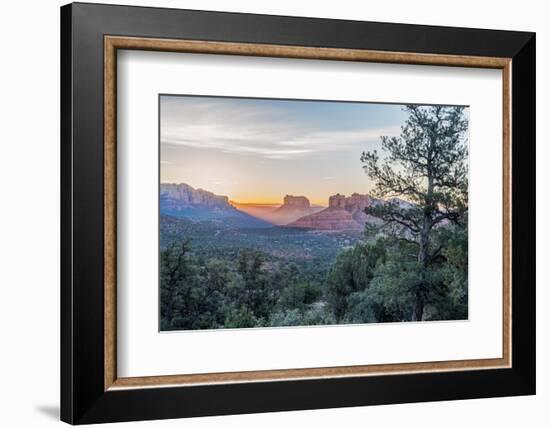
<point x="199" y="293"/>
<point x="374" y="281"/>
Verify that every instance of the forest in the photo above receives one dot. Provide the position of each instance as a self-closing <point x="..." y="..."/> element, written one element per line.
<point x="410" y="266"/>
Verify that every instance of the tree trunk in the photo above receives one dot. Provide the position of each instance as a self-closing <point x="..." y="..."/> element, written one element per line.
<point x="418" y="309"/>
<point x="423" y="253"/>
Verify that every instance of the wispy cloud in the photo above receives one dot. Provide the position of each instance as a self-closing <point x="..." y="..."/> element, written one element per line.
<point x="266" y="132"/>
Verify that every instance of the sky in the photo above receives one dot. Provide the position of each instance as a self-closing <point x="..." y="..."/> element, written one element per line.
<point x="259" y="150"/>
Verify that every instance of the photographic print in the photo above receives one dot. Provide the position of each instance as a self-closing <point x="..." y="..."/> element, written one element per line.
<point x="282" y="213"/>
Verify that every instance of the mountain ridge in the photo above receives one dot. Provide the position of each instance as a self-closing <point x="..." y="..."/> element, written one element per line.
<point x="181" y="200"/>
<point x="343" y="212"/>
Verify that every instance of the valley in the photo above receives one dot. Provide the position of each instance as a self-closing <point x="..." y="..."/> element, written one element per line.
<point x="294" y="232"/>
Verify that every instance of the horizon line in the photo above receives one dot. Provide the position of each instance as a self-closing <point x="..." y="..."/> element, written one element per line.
<point x="311" y="201"/>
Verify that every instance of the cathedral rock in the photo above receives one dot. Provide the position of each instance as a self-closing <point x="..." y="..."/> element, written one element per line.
<point x="343" y="213"/>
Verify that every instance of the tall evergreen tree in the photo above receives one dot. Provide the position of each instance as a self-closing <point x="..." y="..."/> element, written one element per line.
<point x="424" y="179"/>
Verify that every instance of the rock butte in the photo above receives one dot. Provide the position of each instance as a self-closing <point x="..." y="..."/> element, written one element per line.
<point x="296" y="201"/>
<point x="293" y="208"/>
<point x="343" y="213"/>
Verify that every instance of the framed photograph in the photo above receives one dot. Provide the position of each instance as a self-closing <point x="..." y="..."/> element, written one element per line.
<point x="266" y="213"/>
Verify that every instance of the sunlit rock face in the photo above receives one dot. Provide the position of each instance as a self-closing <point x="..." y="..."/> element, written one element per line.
<point x="337" y="201"/>
<point x="296" y="201"/>
<point x="187" y="195"/>
<point x="328" y="219"/>
<point x="343" y="213"/>
<point x="183" y="201"/>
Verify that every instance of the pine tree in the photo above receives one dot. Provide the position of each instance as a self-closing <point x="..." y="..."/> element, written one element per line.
<point x="424" y="181"/>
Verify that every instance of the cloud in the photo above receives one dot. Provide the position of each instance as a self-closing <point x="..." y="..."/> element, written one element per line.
<point x="271" y="133"/>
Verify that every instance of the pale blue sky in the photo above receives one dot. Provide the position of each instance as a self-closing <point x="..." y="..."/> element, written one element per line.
<point x="259" y="150"/>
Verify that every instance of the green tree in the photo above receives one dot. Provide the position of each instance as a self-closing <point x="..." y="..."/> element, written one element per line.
<point x="240" y="317"/>
<point x="426" y="166"/>
<point x="449" y="298"/>
<point x="352" y="272"/>
<point x="191" y="295"/>
<point x="176" y="271"/>
<point x="253" y="292"/>
<point x="389" y="295"/>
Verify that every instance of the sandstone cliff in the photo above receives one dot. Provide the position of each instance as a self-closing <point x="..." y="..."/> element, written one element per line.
<point x="343" y="213"/>
<point x="183" y="201"/>
<point x="328" y="219"/>
<point x="298" y="202"/>
<point x="186" y="195"/>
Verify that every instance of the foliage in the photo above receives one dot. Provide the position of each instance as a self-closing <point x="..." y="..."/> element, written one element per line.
<point x="190" y="296"/>
<point x="386" y="291"/>
<point x="426" y="165"/>
<point x="352" y="272"/>
<point x="202" y="293"/>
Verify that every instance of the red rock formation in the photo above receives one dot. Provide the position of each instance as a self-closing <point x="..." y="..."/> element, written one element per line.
<point x="296" y="201"/>
<point x="186" y="195"/>
<point x="337" y="201"/>
<point x="343" y="213"/>
<point x="329" y="219"/>
<point x="292" y="209"/>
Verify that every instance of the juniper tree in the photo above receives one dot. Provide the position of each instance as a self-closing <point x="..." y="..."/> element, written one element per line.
<point x="423" y="177"/>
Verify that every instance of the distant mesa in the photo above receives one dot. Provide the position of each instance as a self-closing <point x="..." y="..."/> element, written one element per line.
<point x="343" y="213"/>
<point x="183" y="201"/>
<point x="186" y="195"/>
<point x="293" y="208"/>
<point x="297" y="202"/>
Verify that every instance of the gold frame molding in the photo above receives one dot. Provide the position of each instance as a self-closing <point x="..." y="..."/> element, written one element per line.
<point x="113" y="43"/>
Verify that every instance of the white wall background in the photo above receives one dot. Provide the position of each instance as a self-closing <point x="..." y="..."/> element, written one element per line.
<point x="29" y="214"/>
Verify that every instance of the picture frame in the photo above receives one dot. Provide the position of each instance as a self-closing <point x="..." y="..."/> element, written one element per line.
<point x="91" y="36"/>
